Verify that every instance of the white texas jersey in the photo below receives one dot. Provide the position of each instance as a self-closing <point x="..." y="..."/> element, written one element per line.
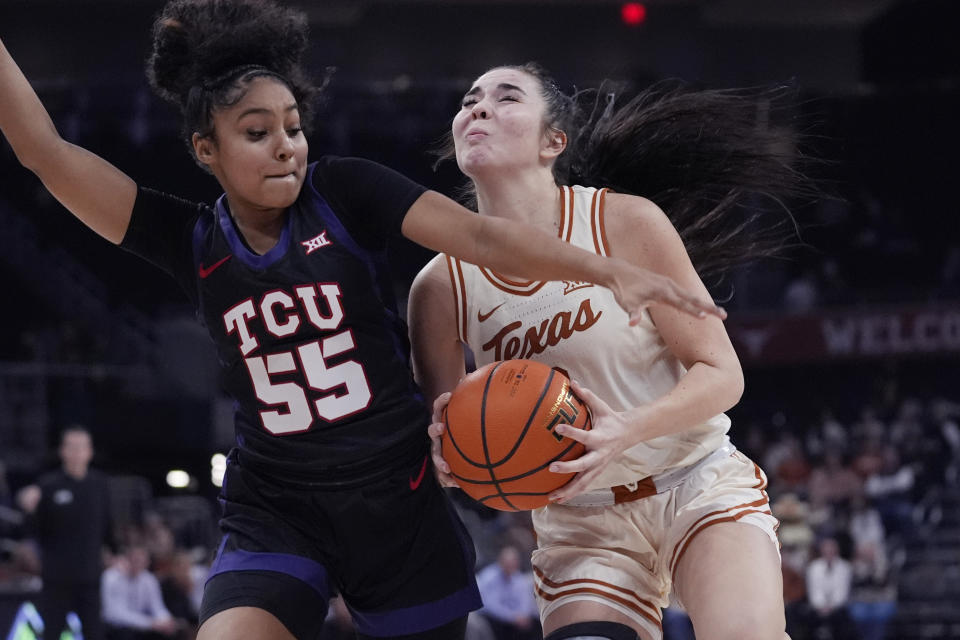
<point x="579" y="328"/>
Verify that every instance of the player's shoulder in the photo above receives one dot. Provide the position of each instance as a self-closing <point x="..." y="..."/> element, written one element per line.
<point x="433" y="278"/>
<point x="324" y="163"/>
<point x="338" y="176"/>
<point x="639" y="230"/>
<point x="331" y="166"/>
<point x="432" y="296"/>
<point x="629" y="213"/>
<point x="323" y="171"/>
<point x="631" y="219"/>
<point x="623" y="212"/>
<point x="152" y="198"/>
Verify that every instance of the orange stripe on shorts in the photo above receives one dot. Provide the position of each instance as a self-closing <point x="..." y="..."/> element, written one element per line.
<point x="574" y="590"/>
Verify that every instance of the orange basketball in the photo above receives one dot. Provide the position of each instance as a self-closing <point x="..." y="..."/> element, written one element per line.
<point x="500" y="440"/>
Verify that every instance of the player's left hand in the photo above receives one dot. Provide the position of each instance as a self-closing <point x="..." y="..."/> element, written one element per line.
<point x="609" y="437"/>
<point x="435" y="431"/>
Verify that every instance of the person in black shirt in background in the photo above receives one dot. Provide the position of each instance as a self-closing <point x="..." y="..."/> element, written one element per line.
<point x="69" y="510"/>
<point x="328" y="485"/>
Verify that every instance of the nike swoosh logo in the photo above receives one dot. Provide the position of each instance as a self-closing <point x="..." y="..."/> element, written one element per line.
<point x="204" y="272"/>
<point x="484" y="316"/>
<point x="415" y="483"/>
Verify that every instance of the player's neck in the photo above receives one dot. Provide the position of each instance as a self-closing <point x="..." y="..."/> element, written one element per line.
<point x="261" y="229"/>
<point x="531" y="197"/>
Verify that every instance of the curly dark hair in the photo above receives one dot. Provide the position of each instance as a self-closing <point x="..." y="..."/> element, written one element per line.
<point x="206" y="53"/>
<point x="723" y="176"/>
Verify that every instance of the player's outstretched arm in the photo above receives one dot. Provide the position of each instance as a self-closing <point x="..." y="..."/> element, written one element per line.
<point x="95" y="191"/>
<point x="439" y="223"/>
<point x="437" y="353"/>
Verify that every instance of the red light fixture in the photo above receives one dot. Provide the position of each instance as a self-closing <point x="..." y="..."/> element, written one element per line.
<point x="633" y="14"/>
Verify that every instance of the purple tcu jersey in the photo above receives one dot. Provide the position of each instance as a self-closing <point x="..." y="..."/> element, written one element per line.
<point x="311" y="343"/>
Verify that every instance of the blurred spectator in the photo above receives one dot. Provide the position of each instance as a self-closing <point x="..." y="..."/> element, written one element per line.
<point x="802" y="294"/>
<point x="933" y="450"/>
<point x="508" y="602"/>
<point x="132" y="601"/>
<point x="834" y="290"/>
<point x="873" y="598"/>
<point x="792" y="470"/>
<point x="18" y="560"/>
<point x="676" y="623"/>
<point x="795" y="533"/>
<point x="6" y="499"/>
<point x="945" y="414"/>
<point x="906" y="430"/>
<point x="339" y="624"/>
<point x="869" y="428"/>
<point x="755" y="440"/>
<point x="869" y="459"/>
<point x="833" y="482"/>
<point x="829" y="578"/>
<point x="478" y="628"/>
<point x="891" y="489"/>
<point x="950" y="273"/>
<point x="159" y="540"/>
<point x="178" y="586"/>
<point x="828" y="435"/>
<point x="776" y="451"/>
<point x="10" y="518"/>
<point x="69" y="511"/>
<point x="518" y="533"/>
<point x="865" y="526"/>
<point x="796" y="609"/>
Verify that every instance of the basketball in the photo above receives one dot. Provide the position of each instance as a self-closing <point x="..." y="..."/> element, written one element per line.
<point x="500" y="440"/>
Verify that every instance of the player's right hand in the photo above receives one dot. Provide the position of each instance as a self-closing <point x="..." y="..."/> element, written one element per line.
<point x="440" y="467"/>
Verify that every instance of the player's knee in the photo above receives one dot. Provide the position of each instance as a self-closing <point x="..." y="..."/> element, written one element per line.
<point x="594" y="631"/>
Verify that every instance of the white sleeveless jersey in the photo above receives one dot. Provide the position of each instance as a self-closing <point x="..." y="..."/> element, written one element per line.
<point x="579" y="328"/>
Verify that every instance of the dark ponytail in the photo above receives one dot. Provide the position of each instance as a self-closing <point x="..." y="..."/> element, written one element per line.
<point x="712" y="160"/>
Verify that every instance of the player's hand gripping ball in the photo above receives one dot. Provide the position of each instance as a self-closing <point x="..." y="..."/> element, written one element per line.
<point x="499" y="438"/>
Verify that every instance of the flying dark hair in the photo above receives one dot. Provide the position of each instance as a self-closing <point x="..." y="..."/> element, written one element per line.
<point x="206" y="52"/>
<point x="724" y="176"/>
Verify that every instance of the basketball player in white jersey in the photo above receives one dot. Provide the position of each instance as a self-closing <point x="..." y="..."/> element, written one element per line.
<point x="662" y="501"/>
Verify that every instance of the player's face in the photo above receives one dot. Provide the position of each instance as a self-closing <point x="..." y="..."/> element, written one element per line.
<point x="500" y="124"/>
<point x="260" y="154"/>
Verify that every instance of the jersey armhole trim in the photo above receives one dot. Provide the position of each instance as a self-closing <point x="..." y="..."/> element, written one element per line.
<point x="455" y="269"/>
<point x="597" y="223"/>
<point x="568" y="199"/>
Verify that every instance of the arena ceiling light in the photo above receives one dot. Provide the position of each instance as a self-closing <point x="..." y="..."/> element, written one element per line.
<point x="178" y="479"/>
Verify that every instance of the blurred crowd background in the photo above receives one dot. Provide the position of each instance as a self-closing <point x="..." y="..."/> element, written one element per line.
<point x="850" y="345"/>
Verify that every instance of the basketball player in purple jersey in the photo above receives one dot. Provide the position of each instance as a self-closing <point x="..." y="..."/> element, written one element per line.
<point x="662" y="500"/>
<point x="328" y="486"/>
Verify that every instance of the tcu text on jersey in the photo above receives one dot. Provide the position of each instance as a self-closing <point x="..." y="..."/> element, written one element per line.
<point x="342" y="388"/>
